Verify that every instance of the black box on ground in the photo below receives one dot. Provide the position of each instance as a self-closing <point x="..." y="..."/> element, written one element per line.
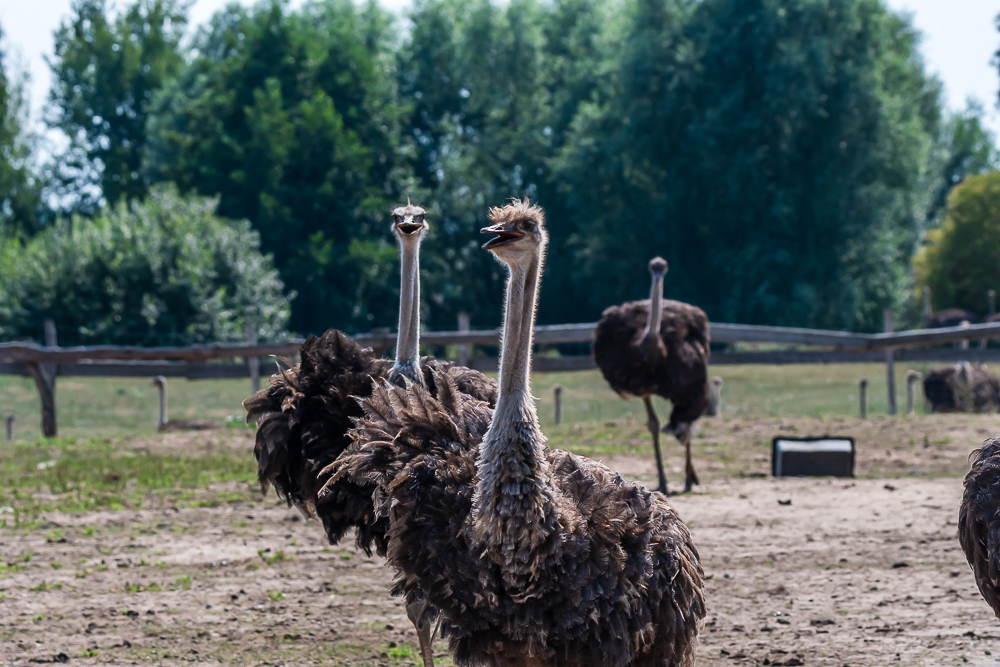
<point x="827" y="456"/>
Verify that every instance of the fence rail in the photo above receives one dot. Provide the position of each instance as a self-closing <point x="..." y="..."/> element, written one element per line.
<point x="44" y="363"/>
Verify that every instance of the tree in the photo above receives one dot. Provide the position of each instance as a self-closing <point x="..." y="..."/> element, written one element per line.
<point x="772" y="151"/>
<point x="961" y="259"/>
<point x="21" y="209"/>
<point x="966" y="147"/>
<point x="163" y="272"/>
<point x="291" y="119"/>
<point x="106" y="71"/>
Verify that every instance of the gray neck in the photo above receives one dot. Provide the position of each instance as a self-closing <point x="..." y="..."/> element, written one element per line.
<point x="655" y="308"/>
<point x="408" y="339"/>
<point x="513" y="496"/>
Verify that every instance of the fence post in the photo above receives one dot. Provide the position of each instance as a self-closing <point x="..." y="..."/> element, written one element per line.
<point x="557" y="392"/>
<point x="863" y="408"/>
<point x="964" y="344"/>
<point x="890" y="362"/>
<point x="10" y="427"/>
<point x="252" y="362"/>
<point x="714" y="398"/>
<point x="991" y="297"/>
<point x="463" y="349"/>
<point x="44" y="376"/>
<point x="912" y="377"/>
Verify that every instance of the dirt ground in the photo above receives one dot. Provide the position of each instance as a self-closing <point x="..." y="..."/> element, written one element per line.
<point x="848" y="573"/>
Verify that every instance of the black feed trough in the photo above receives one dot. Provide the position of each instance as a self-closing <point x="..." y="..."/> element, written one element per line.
<point x="827" y="456"/>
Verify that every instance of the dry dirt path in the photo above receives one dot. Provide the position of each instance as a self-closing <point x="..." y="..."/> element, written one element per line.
<point x="853" y="572"/>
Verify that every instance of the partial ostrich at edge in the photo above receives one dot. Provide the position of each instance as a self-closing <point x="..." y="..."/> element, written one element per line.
<point x="949" y="317"/>
<point x="304" y="415"/>
<point x="979" y="520"/>
<point x="664" y="355"/>
<point x="963" y="387"/>
<point x="533" y="556"/>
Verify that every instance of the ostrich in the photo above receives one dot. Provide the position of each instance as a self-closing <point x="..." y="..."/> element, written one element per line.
<point x="304" y="415"/>
<point x="963" y="387"/>
<point x="949" y="317"/>
<point x="638" y="358"/>
<point x="165" y="425"/>
<point x="979" y="520"/>
<point x="533" y="556"/>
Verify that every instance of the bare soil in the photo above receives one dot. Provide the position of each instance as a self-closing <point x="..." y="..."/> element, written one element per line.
<point x="849" y="572"/>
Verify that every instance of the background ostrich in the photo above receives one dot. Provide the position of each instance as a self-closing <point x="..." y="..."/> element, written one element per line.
<point x="164" y="424"/>
<point x="979" y="520"/>
<point x="949" y="317"/>
<point x="304" y="415"/>
<point x="534" y="557"/>
<point x="663" y="355"/>
<point x="963" y="387"/>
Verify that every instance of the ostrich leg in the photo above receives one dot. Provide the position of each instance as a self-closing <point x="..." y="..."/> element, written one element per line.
<point x="415" y="611"/>
<point x="690" y="476"/>
<point x="653" y="424"/>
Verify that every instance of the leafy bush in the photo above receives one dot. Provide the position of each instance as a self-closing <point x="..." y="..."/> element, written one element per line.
<point x="164" y="272"/>
<point x="961" y="260"/>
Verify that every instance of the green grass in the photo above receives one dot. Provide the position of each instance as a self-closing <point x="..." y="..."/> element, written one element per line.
<point x="101" y="474"/>
<point x="100" y="407"/>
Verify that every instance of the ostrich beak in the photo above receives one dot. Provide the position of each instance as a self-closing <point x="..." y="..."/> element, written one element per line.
<point x="409" y="226"/>
<point x="503" y="236"/>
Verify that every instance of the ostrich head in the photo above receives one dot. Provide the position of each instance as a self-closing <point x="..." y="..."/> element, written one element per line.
<point x="408" y="222"/>
<point x="520" y="232"/>
<point x="658" y="267"/>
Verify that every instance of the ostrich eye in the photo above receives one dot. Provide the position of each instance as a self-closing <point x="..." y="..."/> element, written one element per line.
<point x="527" y="225"/>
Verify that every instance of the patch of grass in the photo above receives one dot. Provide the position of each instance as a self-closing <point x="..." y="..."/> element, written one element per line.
<point x="276" y="595"/>
<point x="182" y="583"/>
<point x="93" y="475"/>
<point x="279" y="556"/>
<point x="400" y="652"/>
<point x="45" y="586"/>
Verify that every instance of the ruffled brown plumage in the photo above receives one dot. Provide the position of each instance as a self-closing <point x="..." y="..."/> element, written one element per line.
<point x="679" y="374"/>
<point x="304" y="415"/>
<point x="617" y="581"/>
<point x="979" y="520"/>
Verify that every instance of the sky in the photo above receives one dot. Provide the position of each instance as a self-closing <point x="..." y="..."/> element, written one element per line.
<point x="959" y="39"/>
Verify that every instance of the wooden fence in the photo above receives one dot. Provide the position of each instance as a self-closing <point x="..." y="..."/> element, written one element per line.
<point x="44" y="363"/>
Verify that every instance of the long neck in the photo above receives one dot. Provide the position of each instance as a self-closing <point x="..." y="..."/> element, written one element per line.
<point x="513" y="510"/>
<point x="655" y="308"/>
<point x="408" y="339"/>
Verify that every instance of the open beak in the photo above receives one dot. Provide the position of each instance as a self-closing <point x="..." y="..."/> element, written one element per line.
<point x="503" y="236"/>
<point x="409" y="227"/>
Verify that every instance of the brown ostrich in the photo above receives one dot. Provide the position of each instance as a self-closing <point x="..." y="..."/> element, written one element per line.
<point x="963" y="387"/>
<point x="533" y="556"/>
<point x="669" y="360"/>
<point x="979" y="520"/>
<point x="949" y="317"/>
<point x="304" y="415"/>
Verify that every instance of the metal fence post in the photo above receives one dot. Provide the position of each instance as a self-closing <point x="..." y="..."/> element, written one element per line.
<point x="463" y="349"/>
<point x="863" y="408"/>
<point x="557" y="393"/>
<point x="252" y="362"/>
<point x="890" y="362"/>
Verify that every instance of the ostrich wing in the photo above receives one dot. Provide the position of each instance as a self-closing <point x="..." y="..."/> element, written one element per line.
<point x="979" y="520"/>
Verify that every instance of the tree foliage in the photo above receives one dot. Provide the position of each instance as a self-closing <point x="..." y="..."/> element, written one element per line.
<point x="961" y="260"/>
<point x="167" y="271"/>
<point x="291" y="118"/>
<point x="106" y="71"/>
<point x="21" y="208"/>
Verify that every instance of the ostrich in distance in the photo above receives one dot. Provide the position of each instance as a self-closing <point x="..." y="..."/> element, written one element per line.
<point x="949" y="317"/>
<point x="979" y="520"/>
<point x="533" y="556"/>
<point x="664" y="355"/>
<point x="304" y="415"/>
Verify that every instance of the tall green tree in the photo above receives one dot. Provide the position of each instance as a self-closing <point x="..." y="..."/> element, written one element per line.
<point x="106" y="70"/>
<point x="21" y="208"/>
<point x="494" y="88"/>
<point x="773" y="151"/>
<point x="291" y="118"/>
